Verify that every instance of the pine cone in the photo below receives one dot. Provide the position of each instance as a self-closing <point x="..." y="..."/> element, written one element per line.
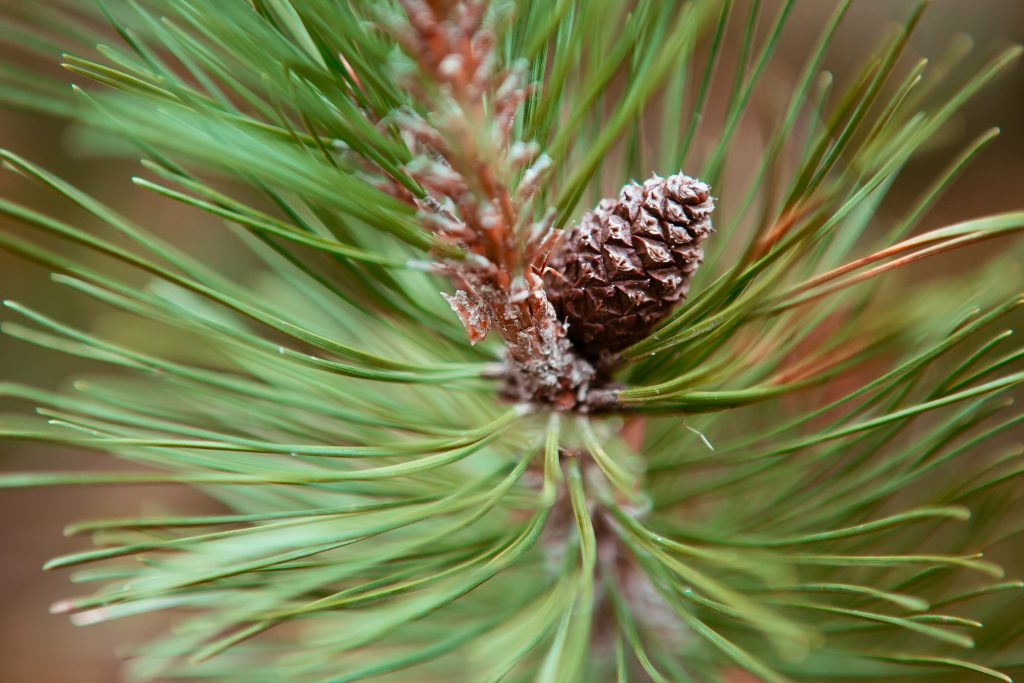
<point x="628" y="263"/>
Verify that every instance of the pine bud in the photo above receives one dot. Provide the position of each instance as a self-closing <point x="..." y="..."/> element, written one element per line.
<point x="628" y="263"/>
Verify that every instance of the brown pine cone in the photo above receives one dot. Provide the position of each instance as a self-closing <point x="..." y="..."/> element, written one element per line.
<point x="628" y="263"/>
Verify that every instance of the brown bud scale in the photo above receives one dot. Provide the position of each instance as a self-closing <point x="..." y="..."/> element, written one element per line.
<point x="628" y="264"/>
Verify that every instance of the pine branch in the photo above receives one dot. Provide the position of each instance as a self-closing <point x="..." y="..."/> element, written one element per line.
<point x="807" y="470"/>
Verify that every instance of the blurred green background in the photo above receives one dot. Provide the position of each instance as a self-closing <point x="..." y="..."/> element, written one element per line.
<point x="38" y="647"/>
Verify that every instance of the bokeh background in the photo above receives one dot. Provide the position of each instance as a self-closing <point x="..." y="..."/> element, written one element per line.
<point x="37" y="647"/>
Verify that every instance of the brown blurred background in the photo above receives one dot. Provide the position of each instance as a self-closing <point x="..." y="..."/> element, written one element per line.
<point x="36" y="647"/>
